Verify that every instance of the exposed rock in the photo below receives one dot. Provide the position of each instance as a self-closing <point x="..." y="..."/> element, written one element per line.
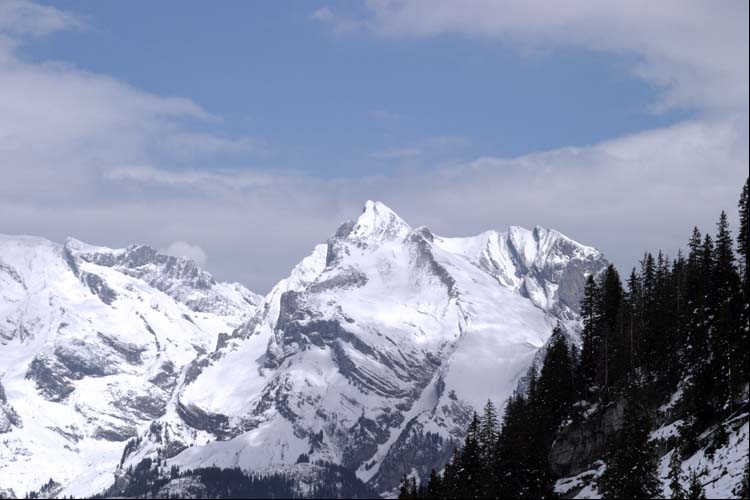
<point x="50" y="377"/>
<point x="8" y="416"/>
<point x="196" y="418"/>
<point x="131" y="353"/>
<point x="414" y="450"/>
<point x="581" y="443"/>
<point x="99" y="288"/>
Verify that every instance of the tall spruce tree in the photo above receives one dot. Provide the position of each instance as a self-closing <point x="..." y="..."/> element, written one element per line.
<point x="742" y="345"/>
<point x="471" y="466"/>
<point x="434" y="486"/>
<point x="726" y="289"/>
<point x="488" y="432"/>
<point x="609" y="326"/>
<point x="555" y="392"/>
<point x="591" y="341"/>
<point x="675" y="477"/>
<point x="512" y="465"/>
<point x="743" y="237"/>
<point x="695" y="487"/>
<point x="488" y="448"/>
<point x="634" y="322"/>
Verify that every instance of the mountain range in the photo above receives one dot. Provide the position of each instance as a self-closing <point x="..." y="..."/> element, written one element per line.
<point x="372" y="354"/>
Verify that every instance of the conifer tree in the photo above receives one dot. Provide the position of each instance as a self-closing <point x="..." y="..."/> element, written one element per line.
<point x="488" y="448"/>
<point x="635" y="321"/>
<point x="675" y="476"/>
<point x="511" y="471"/>
<point x="609" y="308"/>
<point x="591" y="343"/>
<point x="434" y="486"/>
<point x="742" y="342"/>
<point x="726" y="289"/>
<point x="488" y="432"/>
<point x="743" y="237"/>
<point x="449" y="483"/>
<point x="554" y="389"/>
<point x="695" y="487"/>
<point x="471" y="465"/>
<point x="404" y="489"/>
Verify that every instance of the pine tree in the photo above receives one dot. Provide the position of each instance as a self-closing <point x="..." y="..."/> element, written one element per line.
<point x="555" y="392"/>
<point x="743" y="237"/>
<point x="511" y="468"/>
<point x="675" y="476"/>
<point x="726" y="290"/>
<point x="610" y="322"/>
<point x="471" y="465"/>
<point x="404" y="489"/>
<point x="591" y="343"/>
<point x="449" y="483"/>
<point x="488" y="432"/>
<point x="742" y="342"/>
<point x="434" y="486"/>
<point x="635" y="321"/>
<point x="695" y="487"/>
<point x="676" y="350"/>
<point x="488" y="448"/>
<point x="649" y="312"/>
<point x="631" y="470"/>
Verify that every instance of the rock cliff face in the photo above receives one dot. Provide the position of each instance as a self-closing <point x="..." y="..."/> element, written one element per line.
<point x="580" y="444"/>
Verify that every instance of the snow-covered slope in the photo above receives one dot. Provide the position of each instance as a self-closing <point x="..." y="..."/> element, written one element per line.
<point x="375" y="351"/>
<point x="92" y="341"/>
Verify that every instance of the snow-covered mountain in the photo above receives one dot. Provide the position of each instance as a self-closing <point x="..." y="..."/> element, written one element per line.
<point x="374" y="352"/>
<point x="92" y="341"/>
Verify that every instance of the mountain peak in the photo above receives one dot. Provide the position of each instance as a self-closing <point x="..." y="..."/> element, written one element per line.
<point x="379" y="222"/>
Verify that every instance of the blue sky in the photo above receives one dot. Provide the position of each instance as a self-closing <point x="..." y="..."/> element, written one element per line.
<point x="242" y="133"/>
<point x="351" y="104"/>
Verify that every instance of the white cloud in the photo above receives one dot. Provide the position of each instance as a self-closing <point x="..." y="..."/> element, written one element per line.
<point x="63" y="127"/>
<point x="340" y="24"/>
<point x="20" y="17"/>
<point x="640" y="192"/>
<point x="696" y="50"/>
<point x="184" y="249"/>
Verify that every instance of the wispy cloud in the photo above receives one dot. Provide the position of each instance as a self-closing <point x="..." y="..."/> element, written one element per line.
<point x="191" y="144"/>
<point x="185" y="249"/>
<point x="25" y="18"/>
<point x="340" y="24"/>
